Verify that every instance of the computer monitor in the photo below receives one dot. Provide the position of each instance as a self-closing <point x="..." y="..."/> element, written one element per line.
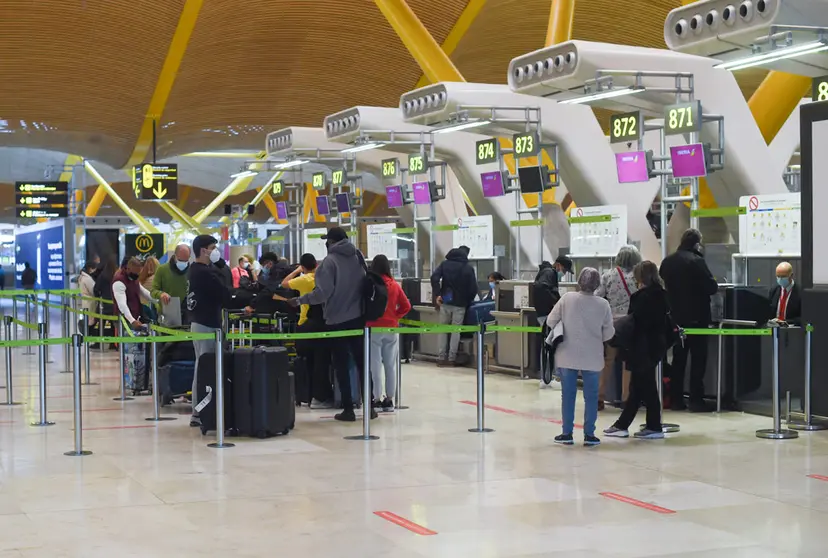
<point x="423" y="192"/>
<point x="532" y="179"/>
<point x="688" y="161"/>
<point x="394" y="194"/>
<point x="493" y="183"/>
<point x="323" y="205"/>
<point x="343" y="203"/>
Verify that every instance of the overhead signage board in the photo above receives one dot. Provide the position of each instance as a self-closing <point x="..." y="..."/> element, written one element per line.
<point x="682" y="118"/>
<point x="417" y="163"/>
<point x="626" y="127"/>
<point x="526" y="144"/>
<point x="318" y="181"/>
<point x="632" y="167"/>
<point x="278" y="188"/>
<point x="338" y="177"/>
<point x="688" y="161"/>
<point x="487" y="151"/>
<point x="819" y="89"/>
<point x="41" y="200"/>
<point x="153" y="182"/>
<point x="390" y="168"/>
<point x="142" y="246"/>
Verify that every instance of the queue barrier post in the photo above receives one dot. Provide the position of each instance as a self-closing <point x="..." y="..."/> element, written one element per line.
<point x="100" y="325"/>
<point x="45" y="310"/>
<point x="29" y="350"/>
<point x="219" y="443"/>
<point x="86" y="355"/>
<point x="122" y="359"/>
<point x="777" y="432"/>
<point x="15" y="315"/>
<point x="481" y="392"/>
<point x="398" y="401"/>
<point x="41" y="365"/>
<point x="7" y="322"/>
<point x="65" y="331"/>
<point x="366" y="390"/>
<point x="156" y="391"/>
<point x="77" y="342"/>
<point x="807" y="424"/>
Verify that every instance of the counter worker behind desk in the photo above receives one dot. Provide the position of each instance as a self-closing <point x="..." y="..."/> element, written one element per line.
<point x="785" y="298"/>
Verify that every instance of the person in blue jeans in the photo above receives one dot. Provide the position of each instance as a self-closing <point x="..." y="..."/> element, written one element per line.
<point x="587" y="324"/>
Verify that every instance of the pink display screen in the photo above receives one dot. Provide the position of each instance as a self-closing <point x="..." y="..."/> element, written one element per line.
<point x="281" y="210"/>
<point x="492" y="184"/>
<point x="632" y="167"/>
<point x="395" y="196"/>
<point x="688" y="161"/>
<point x="422" y="193"/>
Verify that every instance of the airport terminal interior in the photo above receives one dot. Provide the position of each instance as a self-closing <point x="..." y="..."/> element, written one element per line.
<point x="362" y="278"/>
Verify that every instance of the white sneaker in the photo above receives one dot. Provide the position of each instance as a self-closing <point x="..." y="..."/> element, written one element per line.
<point x="554" y="384"/>
<point x="316" y="404"/>
<point x="614" y="432"/>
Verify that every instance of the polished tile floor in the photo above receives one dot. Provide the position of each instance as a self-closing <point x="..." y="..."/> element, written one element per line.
<point x="426" y="488"/>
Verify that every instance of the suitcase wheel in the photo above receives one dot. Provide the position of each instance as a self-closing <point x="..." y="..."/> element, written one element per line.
<point x="292" y="426"/>
<point x="286" y="431"/>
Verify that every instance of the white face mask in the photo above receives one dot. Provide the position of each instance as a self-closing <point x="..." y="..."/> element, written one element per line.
<point x="245" y="265"/>
<point x="257" y="267"/>
<point x="215" y="255"/>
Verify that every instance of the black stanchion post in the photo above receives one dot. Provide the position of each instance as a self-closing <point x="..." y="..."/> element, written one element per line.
<point x="77" y="341"/>
<point x="101" y="326"/>
<point x="367" y="399"/>
<point x="156" y="389"/>
<point x="481" y="392"/>
<point x="398" y="403"/>
<point x="41" y="365"/>
<point x="14" y="313"/>
<point x="219" y="443"/>
<point x="777" y="432"/>
<point x="65" y="331"/>
<point x="7" y="322"/>
<point x="87" y="372"/>
<point x="122" y="358"/>
<point x="46" y="309"/>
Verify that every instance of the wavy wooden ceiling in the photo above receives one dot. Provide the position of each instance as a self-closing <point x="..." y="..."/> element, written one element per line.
<point x="77" y="75"/>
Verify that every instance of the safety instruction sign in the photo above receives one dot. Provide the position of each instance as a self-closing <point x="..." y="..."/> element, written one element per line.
<point x="154" y="182"/>
<point x="476" y="232"/>
<point x="382" y="239"/>
<point x="142" y="246"/>
<point x="771" y="226"/>
<point x="598" y="231"/>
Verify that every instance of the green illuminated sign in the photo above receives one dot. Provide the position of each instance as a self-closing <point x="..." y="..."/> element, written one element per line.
<point x="338" y="177"/>
<point x="625" y="127"/>
<point x="318" y="181"/>
<point x="487" y="151"/>
<point x="278" y="188"/>
<point x="417" y="164"/>
<point x="682" y="118"/>
<point x="526" y="144"/>
<point x="389" y="168"/>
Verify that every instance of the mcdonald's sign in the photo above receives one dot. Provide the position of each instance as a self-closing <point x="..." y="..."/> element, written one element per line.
<point x="143" y="246"/>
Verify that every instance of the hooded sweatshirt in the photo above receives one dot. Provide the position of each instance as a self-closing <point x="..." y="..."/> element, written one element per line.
<point x="454" y="280"/>
<point x="398" y="305"/>
<point x="339" y="284"/>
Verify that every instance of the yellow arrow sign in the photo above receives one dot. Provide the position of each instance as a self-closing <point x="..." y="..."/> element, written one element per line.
<point x="159" y="191"/>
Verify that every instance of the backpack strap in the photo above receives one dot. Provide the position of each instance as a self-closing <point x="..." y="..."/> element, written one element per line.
<point x="623" y="281"/>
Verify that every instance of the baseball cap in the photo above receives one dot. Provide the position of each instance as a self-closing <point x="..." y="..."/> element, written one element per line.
<point x="335" y="234"/>
<point x="565" y="262"/>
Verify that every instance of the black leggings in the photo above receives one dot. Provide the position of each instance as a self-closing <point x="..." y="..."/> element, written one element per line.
<point x="643" y="389"/>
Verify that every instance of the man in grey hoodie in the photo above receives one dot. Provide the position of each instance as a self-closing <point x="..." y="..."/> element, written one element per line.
<point x="339" y="289"/>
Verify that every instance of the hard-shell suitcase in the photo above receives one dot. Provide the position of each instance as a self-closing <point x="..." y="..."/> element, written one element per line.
<point x="136" y="367"/>
<point x="301" y="380"/>
<point x="263" y="394"/>
<point x="206" y="392"/>
<point x="175" y="379"/>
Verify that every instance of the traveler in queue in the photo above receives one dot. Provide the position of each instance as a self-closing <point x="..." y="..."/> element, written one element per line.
<point x="454" y="285"/>
<point x="587" y="324"/>
<point x="617" y="286"/>
<point x="384" y="346"/>
<point x="170" y="279"/>
<point x="226" y="273"/>
<point x="339" y="288"/>
<point x="274" y="270"/>
<point x="785" y="297"/>
<point x="648" y="310"/>
<point x="87" y="289"/>
<point x="241" y="274"/>
<point x="146" y="277"/>
<point x="206" y="297"/>
<point x="545" y="295"/>
<point x="127" y="292"/>
<point x="28" y="278"/>
<point x="689" y="285"/>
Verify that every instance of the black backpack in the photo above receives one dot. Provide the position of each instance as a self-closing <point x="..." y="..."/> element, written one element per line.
<point x="374" y="293"/>
<point x="544" y="298"/>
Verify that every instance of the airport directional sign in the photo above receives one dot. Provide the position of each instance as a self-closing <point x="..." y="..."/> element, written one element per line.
<point x="626" y="127"/>
<point x="155" y="182"/>
<point x="487" y="151"/>
<point x="526" y="144"/>
<point x="683" y="118"/>
<point x="41" y="200"/>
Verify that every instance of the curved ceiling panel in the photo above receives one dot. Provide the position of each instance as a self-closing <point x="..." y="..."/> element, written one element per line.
<point x="77" y="75"/>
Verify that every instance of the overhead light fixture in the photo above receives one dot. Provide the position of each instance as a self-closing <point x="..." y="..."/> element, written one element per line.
<point x="291" y="164"/>
<point x="460" y="126"/>
<point x="222" y="154"/>
<point x="773" y="55"/>
<point x="608" y="94"/>
<point x="244" y="174"/>
<point x="362" y="147"/>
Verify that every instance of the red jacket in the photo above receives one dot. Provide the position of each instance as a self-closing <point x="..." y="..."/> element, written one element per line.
<point x="398" y="305"/>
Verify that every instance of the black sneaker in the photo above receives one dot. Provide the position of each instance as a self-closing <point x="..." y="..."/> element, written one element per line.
<point x="374" y="414"/>
<point x="565" y="439"/>
<point x="700" y="407"/>
<point x="195" y="421"/>
<point x="591" y="441"/>
<point x="387" y="405"/>
<point x="346" y="416"/>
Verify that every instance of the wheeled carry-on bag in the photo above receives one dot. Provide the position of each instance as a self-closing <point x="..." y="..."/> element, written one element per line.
<point x="136" y="367"/>
<point x="175" y="379"/>
<point x="206" y="393"/>
<point x="263" y="392"/>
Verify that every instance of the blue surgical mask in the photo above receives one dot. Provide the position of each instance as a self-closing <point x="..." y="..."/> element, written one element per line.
<point x="492" y="285"/>
<point x="265" y="271"/>
<point x="560" y="275"/>
<point x="783" y="282"/>
<point x="181" y="265"/>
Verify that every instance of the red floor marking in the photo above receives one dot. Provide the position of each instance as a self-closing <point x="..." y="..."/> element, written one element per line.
<point x="119" y="427"/>
<point x="89" y="410"/>
<point x="519" y="413"/>
<point x="818" y="477"/>
<point x="404" y="523"/>
<point x="634" y="502"/>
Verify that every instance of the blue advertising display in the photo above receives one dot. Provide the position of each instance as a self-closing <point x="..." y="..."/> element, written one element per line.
<point x="43" y="248"/>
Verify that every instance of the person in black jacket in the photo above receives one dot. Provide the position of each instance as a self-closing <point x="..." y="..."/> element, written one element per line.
<point x="785" y="297"/>
<point x="545" y="295"/>
<point x="646" y="346"/>
<point x="274" y="270"/>
<point x="28" y="278"/>
<point x="225" y="272"/>
<point x="689" y="288"/>
<point x="454" y="285"/>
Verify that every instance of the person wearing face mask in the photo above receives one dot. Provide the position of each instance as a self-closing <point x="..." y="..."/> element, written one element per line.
<point x="494" y="278"/>
<point x="127" y="291"/>
<point x="226" y="273"/>
<point x="274" y="271"/>
<point x="241" y="274"/>
<point x="689" y="285"/>
<point x="785" y="297"/>
<point x="170" y="279"/>
<point x="207" y="296"/>
<point x="545" y="295"/>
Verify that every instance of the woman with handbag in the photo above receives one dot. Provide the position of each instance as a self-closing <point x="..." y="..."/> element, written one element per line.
<point x="642" y="350"/>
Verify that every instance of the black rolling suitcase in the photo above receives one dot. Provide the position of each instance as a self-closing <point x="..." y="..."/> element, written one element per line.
<point x="263" y="392"/>
<point x="301" y="380"/>
<point x="206" y="392"/>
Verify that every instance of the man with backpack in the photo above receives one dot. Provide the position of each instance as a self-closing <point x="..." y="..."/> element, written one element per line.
<point x="339" y="287"/>
<point x="545" y="295"/>
<point x="454" y="285"/>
